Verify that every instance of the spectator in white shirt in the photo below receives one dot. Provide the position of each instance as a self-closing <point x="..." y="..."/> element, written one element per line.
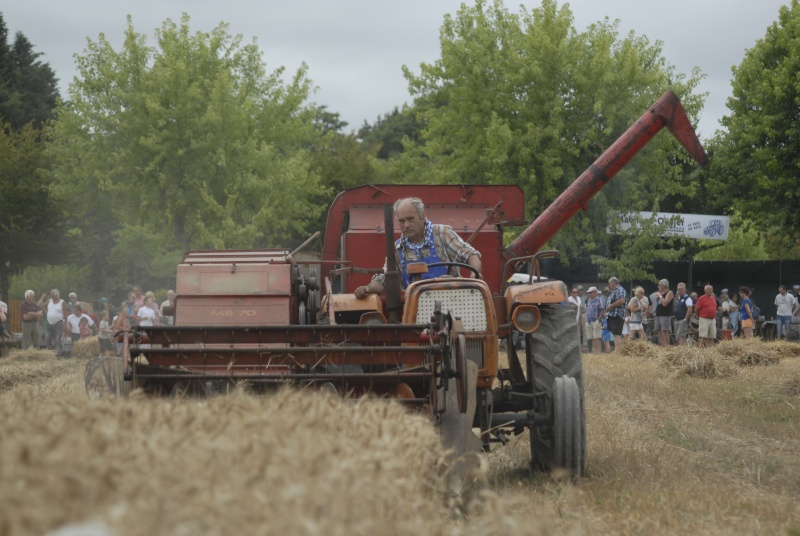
<point x="786" y="304"/>
<point x="72" y="328"/>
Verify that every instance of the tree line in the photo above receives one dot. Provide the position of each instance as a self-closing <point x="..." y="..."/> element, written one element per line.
<point x="187" y="140"/>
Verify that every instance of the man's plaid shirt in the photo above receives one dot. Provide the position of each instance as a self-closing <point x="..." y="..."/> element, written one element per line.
<point x="616" y="294"/>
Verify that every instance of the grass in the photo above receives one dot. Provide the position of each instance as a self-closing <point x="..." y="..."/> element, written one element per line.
<point x="680" y="441"/>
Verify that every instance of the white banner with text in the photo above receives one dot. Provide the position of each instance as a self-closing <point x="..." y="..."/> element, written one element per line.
<point x="688" y="225"/>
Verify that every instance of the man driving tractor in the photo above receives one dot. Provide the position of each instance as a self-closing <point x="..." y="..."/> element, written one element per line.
<point x="423" y="241"/>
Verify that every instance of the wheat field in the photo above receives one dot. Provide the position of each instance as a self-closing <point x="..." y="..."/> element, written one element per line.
<point x="679" y="441"/>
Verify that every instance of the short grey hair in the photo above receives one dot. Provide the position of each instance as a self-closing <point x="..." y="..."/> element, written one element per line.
<point x="56" y="292"/>
<point x="664" y="282"/>
<point x="29" y="293"/>
<point x="681" y="285"/>
<point x="72" y="295"/>
<point x="613" y="280"/>
<point x="416" y="202"/>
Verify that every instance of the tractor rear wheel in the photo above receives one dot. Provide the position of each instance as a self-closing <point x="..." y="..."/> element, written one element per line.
<point x="553" y="351"/>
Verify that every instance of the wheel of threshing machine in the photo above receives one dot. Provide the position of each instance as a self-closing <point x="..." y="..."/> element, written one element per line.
<point x="556" y="372"/>
<point x="307" y="292"/>
<point x="458" y="362"/>
<point x="452" y="370"/>
<point x="103" y="378"/>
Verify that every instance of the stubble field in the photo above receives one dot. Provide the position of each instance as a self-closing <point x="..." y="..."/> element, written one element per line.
<point x="680" y="441"/>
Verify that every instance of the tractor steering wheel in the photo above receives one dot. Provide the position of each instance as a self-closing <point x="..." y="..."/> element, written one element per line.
<point x="459" y="265"/>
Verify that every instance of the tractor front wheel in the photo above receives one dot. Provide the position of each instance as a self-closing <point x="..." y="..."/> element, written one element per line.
<point x="555" y="371"/>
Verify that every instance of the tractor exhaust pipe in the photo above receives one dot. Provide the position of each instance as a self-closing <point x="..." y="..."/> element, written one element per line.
<point x="394" y="305"/>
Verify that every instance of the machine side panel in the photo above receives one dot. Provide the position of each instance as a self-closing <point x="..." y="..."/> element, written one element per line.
<point x="231" y="279"/>
<point x="232" y="310"/>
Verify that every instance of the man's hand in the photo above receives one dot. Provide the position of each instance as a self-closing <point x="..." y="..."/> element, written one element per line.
<point x="475" y="262"/>
<point x="372" y="288"/>
<point x="361" y="292"/>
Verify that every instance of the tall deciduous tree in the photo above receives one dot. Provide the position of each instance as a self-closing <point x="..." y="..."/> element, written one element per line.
<point x="190" y="140"/>
<point x="386" y="135"/>
<point x="30" y="230"/>
<point x="759" y="157"/>
<point x="526" y="99"/>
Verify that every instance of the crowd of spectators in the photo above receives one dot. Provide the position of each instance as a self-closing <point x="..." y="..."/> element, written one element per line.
<point x="53" y="323"/>
<point x="678" y="318"/>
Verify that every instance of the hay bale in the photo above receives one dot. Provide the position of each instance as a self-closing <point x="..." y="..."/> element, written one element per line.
<point x="29" y="355"/>
<point x="705" y="363"/>
<point x="783" y="349"/>
<point x="20" y="372"/>
<point x="639" y="349"/>
<point x="686" y="360"/>
<point x="86" y="348"/>
<point x="749" y="352"/>
<point x="296" y="462"/>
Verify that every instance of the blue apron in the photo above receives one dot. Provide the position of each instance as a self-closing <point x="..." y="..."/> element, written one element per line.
<point x="433" y="257"/>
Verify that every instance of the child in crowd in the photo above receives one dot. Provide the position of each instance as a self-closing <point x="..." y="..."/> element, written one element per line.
<point x="122" y="322"/>
<point x="84" y="327"/>
<point x="608" y="337"/>
<point x="104" y="335"/>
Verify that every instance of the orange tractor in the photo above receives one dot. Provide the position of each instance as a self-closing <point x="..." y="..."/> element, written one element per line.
<point x="268" y="318"/>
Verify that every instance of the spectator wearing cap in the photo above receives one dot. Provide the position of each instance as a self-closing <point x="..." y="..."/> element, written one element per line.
<point x="594" y="320"/>
<point x="786" y="304"/>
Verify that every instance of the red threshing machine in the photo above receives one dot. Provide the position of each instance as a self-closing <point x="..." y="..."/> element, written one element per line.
<point x="276" y="317"/>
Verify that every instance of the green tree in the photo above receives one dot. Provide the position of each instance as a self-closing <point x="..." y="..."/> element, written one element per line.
<point x="386" y="135"/>
<point x="28" y="87"/>
<point x="759" y="157"/>
<point x="190" y="142"/>
<point x="30" y="225"/>
<point x="526" y="99"/>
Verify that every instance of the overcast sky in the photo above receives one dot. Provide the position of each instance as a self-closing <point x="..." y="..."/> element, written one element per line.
<point x="355" y="48"/>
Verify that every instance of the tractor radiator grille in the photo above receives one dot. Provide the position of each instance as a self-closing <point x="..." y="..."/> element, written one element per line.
<point x="475" y="351"/>
<point x="465" y="303"/>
